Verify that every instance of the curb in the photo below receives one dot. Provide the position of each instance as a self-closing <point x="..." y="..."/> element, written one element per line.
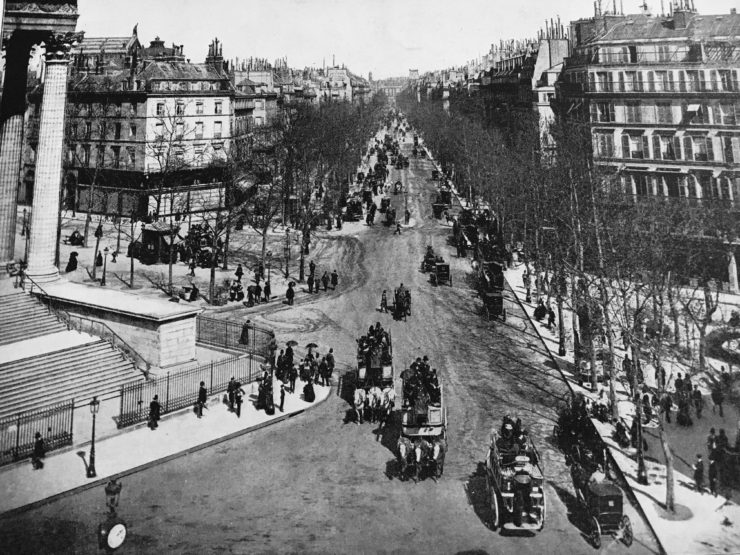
<point x="168" y="458"/>
<point x="630" y="491"/>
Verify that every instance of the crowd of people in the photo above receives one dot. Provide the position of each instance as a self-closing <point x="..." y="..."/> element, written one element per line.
<point x="421" y="385"/>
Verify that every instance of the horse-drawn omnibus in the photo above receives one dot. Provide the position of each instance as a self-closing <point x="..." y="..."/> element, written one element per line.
<point x="515" y="481"/>
<point x="422" y="445"/>
<point x="374" y="394"/>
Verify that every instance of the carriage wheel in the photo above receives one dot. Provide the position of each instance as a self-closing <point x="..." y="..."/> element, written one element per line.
<point x="627" y="535"/>
<point x="495" y="514"/>
<point x="544" y="509"/>
<point x="595" y="533"/>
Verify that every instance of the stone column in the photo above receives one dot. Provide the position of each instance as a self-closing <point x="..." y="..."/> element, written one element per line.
<point x="12" y="110"/>
<point x="43" y="239"/>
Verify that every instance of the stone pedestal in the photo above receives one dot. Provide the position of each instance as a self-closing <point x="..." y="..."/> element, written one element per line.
<point x="46" y="192"/>
<point x="732" y="271"/>
<point x="11" y="140"/>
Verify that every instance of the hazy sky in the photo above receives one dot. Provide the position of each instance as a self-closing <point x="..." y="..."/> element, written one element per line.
<point x="386" y="37"/>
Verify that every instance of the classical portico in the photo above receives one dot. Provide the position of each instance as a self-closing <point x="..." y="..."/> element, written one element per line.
<point x="50" y="24"/>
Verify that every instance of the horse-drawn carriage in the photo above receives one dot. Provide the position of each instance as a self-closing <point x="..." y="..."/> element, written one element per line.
<point x="422" y="445"/>
<point x="441" y="273"/>
<point x="603" y="501"/>
<point x="353" y="212"/>
<point x="514" y="479"/>
<point x="401" y="303"/>
<point x="491" y="289"/>
<point x="374" y="396"/>
<point x="154" y="245"/>
<point x="385" y="203"/>
<point x="430" y="259"/>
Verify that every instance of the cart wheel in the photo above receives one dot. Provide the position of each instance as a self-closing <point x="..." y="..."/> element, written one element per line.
<point x="627" y="535"/>
<point x="495" y="515"/>
<point x="544" y="509"/>
<point x="595" y="533"/>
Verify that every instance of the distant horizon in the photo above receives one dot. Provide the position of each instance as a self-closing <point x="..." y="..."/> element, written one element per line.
<point x="384" y="37"/>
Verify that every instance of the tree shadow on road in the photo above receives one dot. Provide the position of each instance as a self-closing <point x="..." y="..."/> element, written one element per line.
<point x="476" y="491"/>
<point x="576" y="513"/>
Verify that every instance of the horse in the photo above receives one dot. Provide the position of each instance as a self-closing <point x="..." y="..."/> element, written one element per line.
<point x="389" y="401"/>
<point x="374" y="400"/>
<point x="405" y="455"/>
<point x="360" y="400"/>
<point x="422" y="454"/>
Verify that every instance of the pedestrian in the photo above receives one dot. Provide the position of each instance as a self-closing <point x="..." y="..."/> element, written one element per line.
<point x="712" y="476"/>
<point x="202" y="398"/>
<point x="310" y="283"/>
<point x="99" y="260"/>
<point x="293" y="377"/>
<point x="192" y="267"/>
<point x="257" y="293"/>
<point x="230" y="391"/>
<point x="154" y="413"/>
<point x="398" y="229"/>
<point x="334" y="279"/>
<point x="726" y="379"/>
<point x="267" y="291"/>
<point x="39" y="452"/>
<point x="339" y="222"/>
<point x="239" y="272"/>
<point x="699" y="474"/>
<point x="290" y="293"/>
<point x="407" y="216"/>
<point x="550" y="317"/>
<point x="316" y="284"/>
<point x="325" y="281"/>
<point x="711" y="443"/>
<point x="323" y="371"/>
<point x="384" y="302"/>
<point x="244" y="337"/>
<point x="282" y="397"/>
<point x="678" y="384"/>
<point x="311" y="268"/>
<point x="666" y="404"/>
<point x="238" y="399"/>
<point x="698" y="401"/>
<point x="717" y="399"/>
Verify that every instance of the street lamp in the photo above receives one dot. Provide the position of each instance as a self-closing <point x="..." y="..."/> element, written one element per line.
<point x="94" y="408"/>
<point x="105" y="265"/>
<point x="268" y="254"/>
<point x="287" y="251"/>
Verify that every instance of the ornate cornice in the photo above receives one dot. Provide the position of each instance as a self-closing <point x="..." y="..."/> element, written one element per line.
<point x="68" y="7"/>
<point x="58" y="46"/>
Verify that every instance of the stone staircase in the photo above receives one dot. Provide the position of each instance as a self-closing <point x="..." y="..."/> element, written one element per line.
<point x="74" y="371"/>
<point x="23" y="317"/>
<point x="79" y="373"/>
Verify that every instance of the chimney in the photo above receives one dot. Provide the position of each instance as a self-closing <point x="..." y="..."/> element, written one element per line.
<point x="680" y="17"/>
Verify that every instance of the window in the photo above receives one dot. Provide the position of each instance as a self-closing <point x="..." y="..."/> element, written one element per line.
<point x="86" y="155"/>
<point x="259" y="120"/>
<point x="180" y="109"/>
<point x="643" y="187"/>
<point x="183" y="86"/>
<point x="131" y="156"/>
<point x="118" y="131"/>
<point x="199" y="130"/>
<point x="703" y="149"/>
<point x="688" y="148"/>
<point x="635" y="146"/>
<point x="116" y="156"/>
<point x="219" y="107"/>
<point x="88" y="129"/>
<point x="132" y="131"/>
<point x="259" y="104"/>
<point x="102" y="130"/>
<point x="71" y="151"/>
<point x="100" y="156"/>
<point x="160" y="109"/>
<point x="199" y="108"/>
<point x="159" y="130"/>
<point x="217" y="128"/>
<point x="602" y="112"/>
<point x="681" y="81"/>
<point x="604" y="144"/>
<point x="179" y="130"/>
<point x="199" y="149"/>
<point x="633" y="112"/>
<point x="663" y="147"/>
<point x="664" y="53"/>
<point x="74" y="130"/>
<point x="726" y="114"/>
<point x="664" y="112"/>
<point x="133" y="108"/>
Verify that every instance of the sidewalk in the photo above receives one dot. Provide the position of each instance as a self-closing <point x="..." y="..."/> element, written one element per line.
<point x="703" y="524"/>
<point x="137" y="448"/>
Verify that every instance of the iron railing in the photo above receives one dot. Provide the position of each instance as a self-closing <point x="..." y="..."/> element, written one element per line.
<point x="180" y="390"/>
<point x="228" y="334"/>
<point x="17" y="432"/>
<point x="87" y="325"/>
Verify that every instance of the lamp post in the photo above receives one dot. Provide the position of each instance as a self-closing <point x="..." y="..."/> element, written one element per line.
<point x="287" y="251"/>
<point x="268" y="254"/>
<point x="94" y="408"/>
<point x="98" y="235"/>
<point x="105" y="265"/>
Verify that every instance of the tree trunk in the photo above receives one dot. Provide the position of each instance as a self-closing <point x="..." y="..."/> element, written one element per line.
<point x="702" y="345"/>
<point x="226" y="243"/>
<point x="169" y="261"/>
<point x="670" y="496"/>
<point x="674" y="317"/>
<point x="131" y="261"/>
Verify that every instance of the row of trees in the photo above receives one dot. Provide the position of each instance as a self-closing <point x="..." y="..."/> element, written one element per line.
<point x="642" y="271"/>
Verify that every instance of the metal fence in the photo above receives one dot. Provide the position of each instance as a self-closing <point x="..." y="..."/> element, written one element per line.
<point x="180" y="390"/>
<point x="17" y="432"/>
<point x="235" y="335"/>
